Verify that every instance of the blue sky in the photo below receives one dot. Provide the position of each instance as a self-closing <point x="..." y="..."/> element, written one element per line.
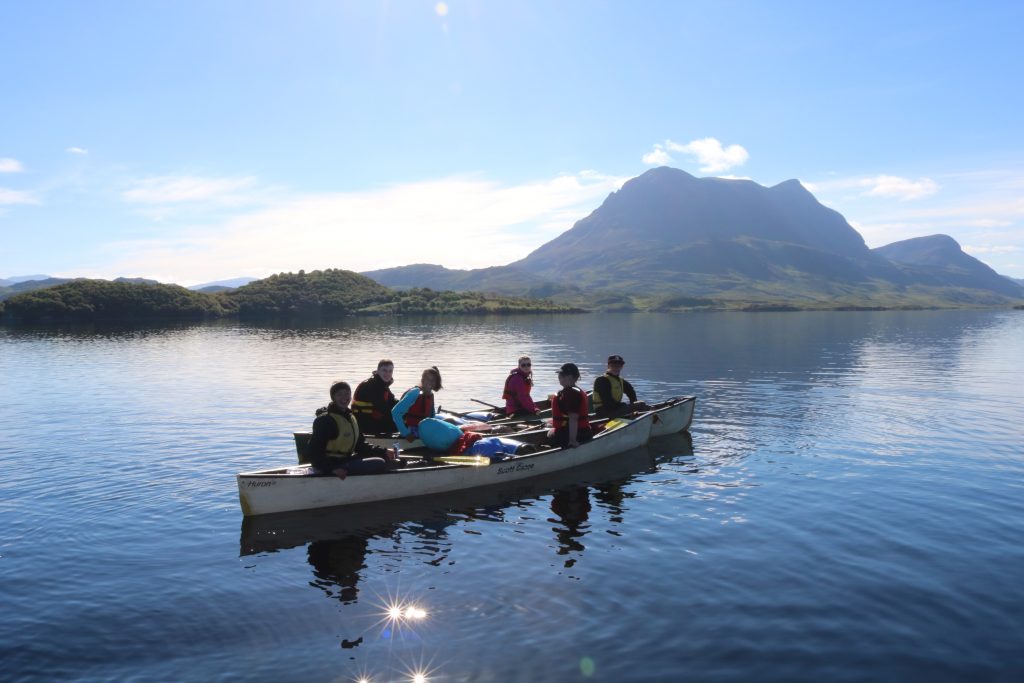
<point x="195" y="141"/>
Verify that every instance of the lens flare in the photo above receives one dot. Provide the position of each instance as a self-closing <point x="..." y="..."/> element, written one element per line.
<point x="413" y="612"/>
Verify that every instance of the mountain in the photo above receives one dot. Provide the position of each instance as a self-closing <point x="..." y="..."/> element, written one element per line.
<point x="223" y="285"/>
<point x="18" y="279"/>
<point x="668" y="240"/>
<point x="938" y="260"/>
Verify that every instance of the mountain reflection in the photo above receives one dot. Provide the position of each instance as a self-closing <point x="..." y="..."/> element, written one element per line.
<point x="340" y="541"/>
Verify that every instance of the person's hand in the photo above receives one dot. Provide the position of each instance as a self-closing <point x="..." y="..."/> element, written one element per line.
<point x="411" y="437"/>
<point x="340" y="473"/>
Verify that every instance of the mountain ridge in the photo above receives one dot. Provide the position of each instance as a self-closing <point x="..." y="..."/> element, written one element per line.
<point x="667" y="235"/>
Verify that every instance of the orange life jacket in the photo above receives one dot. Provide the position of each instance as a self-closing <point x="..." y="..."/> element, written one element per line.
<point x="570" y="395"/>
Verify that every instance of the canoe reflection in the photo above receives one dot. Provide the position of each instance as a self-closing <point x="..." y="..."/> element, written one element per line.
<point x="339" y="539"/>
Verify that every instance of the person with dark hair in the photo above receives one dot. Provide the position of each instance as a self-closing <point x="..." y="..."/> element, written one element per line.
<point x="373" y="400"/>
<point x="517" y="389"/>
<point x="609" y="389"/>
<point x="569" y="410"/>
<point x="417" y="404"/>
<point x="338" y="447"/>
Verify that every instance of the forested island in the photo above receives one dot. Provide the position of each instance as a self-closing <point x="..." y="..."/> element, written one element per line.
<point x="319" y="293"/>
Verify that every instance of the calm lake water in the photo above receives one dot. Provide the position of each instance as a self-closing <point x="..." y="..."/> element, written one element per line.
<point x="850" y="507"/>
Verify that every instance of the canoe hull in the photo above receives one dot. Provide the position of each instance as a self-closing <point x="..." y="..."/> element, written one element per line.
<point x="675" y="417"/>
<point x="273" y="491"/>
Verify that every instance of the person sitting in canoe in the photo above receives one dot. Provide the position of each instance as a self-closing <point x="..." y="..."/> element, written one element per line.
<point x="338" y="447"/>
<point x="417" y="404"/>
<point x="373" y="401"/>
<point x="517" y="390"/>
<point x="609" y="389"/>
<point x="569" y="410"/>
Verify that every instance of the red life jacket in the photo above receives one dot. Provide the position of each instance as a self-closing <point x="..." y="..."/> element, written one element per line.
<point x="420" y="410"/>
<point x="575" y="400"/>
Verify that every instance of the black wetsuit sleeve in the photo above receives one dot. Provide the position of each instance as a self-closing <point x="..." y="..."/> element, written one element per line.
<point x="324" y="429"/>
<point x="603" y="388"/>
<point x="629" y="391"/>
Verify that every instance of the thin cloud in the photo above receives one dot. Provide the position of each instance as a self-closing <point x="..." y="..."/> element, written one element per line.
<point x="455" y="222"/>
<point x="884" y="185"/>
<point x="903" y="189"/>
<point x="8" y="197"/>
<point x="183" y="189"/>
<point x="76" y="150"/>
<point x="8" y="165"/>
<point x="991" y="249"/>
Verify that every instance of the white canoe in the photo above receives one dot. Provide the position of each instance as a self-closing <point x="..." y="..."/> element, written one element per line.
<point x="673" y="416"/>
<point x="276" y="490"/>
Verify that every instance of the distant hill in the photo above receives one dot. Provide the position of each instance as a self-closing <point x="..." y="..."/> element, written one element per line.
<point x="290" y="295"/>
<point x="669" y="240"/>
<point x="938" y="260"/>
<point x="30" y="285"/>
<point x="136" y="280"/>
<point x="17" y="279"/>
<point x="89" y="300"/>
<point x="223" y="285"/>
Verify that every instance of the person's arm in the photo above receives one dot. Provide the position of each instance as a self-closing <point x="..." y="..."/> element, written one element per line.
<point x="402" y="407"/>
<point x="628" y="390"/>
<point x="603" y="388"/>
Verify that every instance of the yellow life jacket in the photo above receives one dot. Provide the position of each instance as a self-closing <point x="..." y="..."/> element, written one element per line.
<point x="348" y="435"/>
<point x="616" y="385"/>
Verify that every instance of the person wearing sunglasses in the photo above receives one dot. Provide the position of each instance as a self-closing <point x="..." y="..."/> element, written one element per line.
<point x="517" y="389"/>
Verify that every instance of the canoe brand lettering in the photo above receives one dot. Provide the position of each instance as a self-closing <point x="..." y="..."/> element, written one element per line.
<point x="518" y="467"/>
<point x="259" y="484"/>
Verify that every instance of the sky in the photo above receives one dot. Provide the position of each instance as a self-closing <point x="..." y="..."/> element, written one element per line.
<point x="196" y="141"/>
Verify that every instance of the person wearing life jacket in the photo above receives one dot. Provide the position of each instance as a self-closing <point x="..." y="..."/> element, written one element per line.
<point x="517" y="389"/>
<point x="609" y="389"/>
<point x="338" y="447"/>
<point x="569" y="410"/>
<point x="417" y="404"/>
<point x="373" y="401"/>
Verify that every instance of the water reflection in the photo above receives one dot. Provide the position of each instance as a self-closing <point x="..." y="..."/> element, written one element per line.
<point x="339" y="541"/>
<point x="572" y="505"/>
<point x="336" y="565"/>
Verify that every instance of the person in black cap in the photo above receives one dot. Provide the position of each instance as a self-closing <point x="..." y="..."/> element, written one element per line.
<point x="609" y="389"/>
<point x="569" y="410"/>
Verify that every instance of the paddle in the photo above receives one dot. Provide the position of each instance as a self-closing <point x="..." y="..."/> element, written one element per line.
<point x="474" y="460"/>
<point x="489" y="405"/>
